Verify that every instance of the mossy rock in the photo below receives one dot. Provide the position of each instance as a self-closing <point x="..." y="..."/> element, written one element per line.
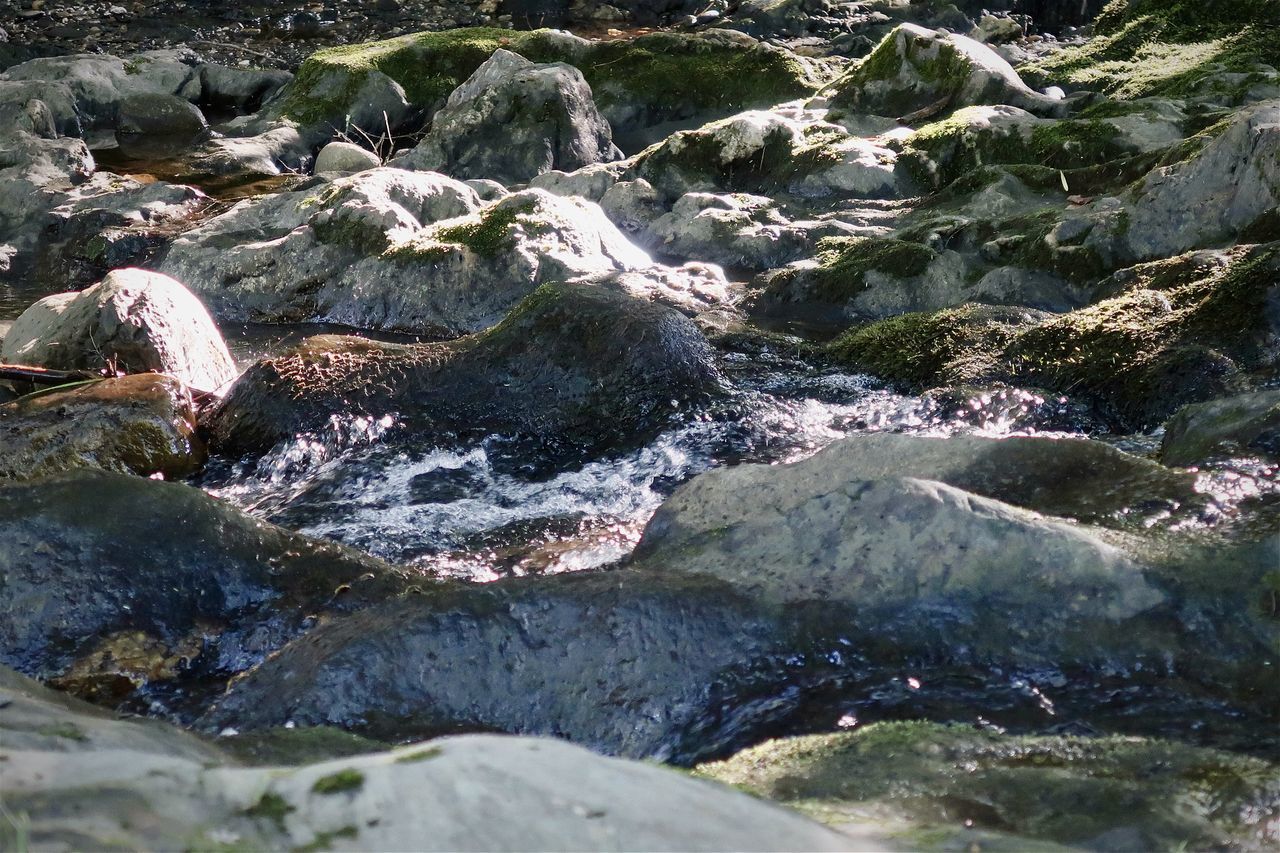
<point x="954" y="346"/>
<point x="1108" y="792"/>
<point x="1183" y="330"/>
<point x="655" y="77"/>
<point x="944" y="151"/>
<point x="1167" y="47"/>
<point x="843" y="264"/>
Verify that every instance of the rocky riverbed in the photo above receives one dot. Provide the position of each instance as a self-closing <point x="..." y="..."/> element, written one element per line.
<point x="516" y="425"/>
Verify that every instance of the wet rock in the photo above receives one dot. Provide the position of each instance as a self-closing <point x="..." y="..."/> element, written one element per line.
<point x="917" y="70"/>
<point x="661" y="667"/>
<point x="163" y="115"/>
<point x="74" y="767"/>
<point x="577" y="366"/>
<point x="99" y="84"/>
<point x="969" y="786"/>
<point x="141" y="425"/>
<point x="814" y="531"/>
<point x="355" y="251"/>
<point x="1243" y="426"/>
<point x="345" y="157"/>
<point x="133" y="320"/>
<point x="113" y="583"/>
<point x="513" y="120"/>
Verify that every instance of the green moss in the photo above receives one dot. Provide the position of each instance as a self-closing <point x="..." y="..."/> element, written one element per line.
<point x="271" y="806"/>
<point x="486" y="234"/>
<point x="324" y="840"/>
<point x="301" y="745"/>
<point x="942" y="152"/>
<point x="1063" y="789"/>
<point x="420" y="755"/>
<point x="68" y="731"/>
<point x="1150" y="47"/>
<point x="348" y="779"/>
<point x="661" y="72"/>
<point x="950" y="347"/>
<point x="1182" y="332"/>
<point x="843" y="265"/>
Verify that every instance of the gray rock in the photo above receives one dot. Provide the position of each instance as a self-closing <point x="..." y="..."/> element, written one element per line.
<point x="99" y="83"/>
<point x="158" y="114"/>
<point x="916" y="69"/>
<point x="589" y="182"/>
<point x="356" y="251"/>
<point x="141" y="425"/>
<point x="513" y="120"/>
<point x="486" y="189"/>
<point x="345" y="157"/>
<point x="133" y="319"/>
<point x="1080" y="479"/>
<point x="1209" y="199"/>
<point x="73" y="766"/>
<point x="573" y="365"/>
<point x="1247" y="425"/>
<point x="112" y="582"/>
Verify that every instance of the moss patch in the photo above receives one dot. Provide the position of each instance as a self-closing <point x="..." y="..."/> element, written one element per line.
<point x="1166" y="47"/>
<point x="348" y="779"/>
<point x="271" y="806"/>
<point x="1063" y="789"/>
<point x="843" y="265"/>
<point x="665" y="73"/>
<point x="486" y="233"/>
<point x="420" y="755"/>
<point x="1184" y="330"/>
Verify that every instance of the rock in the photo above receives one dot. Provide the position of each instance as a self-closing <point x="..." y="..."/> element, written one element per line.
<point x="577" y="366"/>
<point x="356" y="251"/>
<point x="638" y="83"/>
<point x="99" y="84"/>
<point x="962" y="786"/>
<point x="74" y="765"/>
<point x="241" y="89"/>
<point x="914" y="69"/>
<point x="1231" y="186"/>
<point x="141" y="425"/>
<point x="996" y="30"/>
<point x="739" y="231"/>
<point x="134" y="320"/>
<point x="1080" y="479"/>
<point x="513" y="120"/>
<point x="157" y="114"/>
<point x="112" y="583"/>
<point x="814" y="531"/>
<point x="589" y="182"/>
<point x="345" y="157"/>
<point x="670" y="668"/>
<point x="1246" y="425"/>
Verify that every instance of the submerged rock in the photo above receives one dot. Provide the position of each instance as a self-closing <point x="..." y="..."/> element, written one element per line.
<point x="666" y="667"/>
<point x="71" y="767"/>
<point x="916" y="70"/>
<point x="513" y="120"/>
<point x="133" y="320"/>
<point x="141" y="425"/>
<point x="112" y="583"/>
<point x="961" y="784"/>
<point x="573" y="365"/>
<point x="1247" y="425"/>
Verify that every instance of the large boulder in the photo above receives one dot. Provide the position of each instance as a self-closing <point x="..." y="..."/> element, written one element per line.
<point x="1230" y="188"/>
<point x="969" y="786"/>
<point x="666" y="667"/>
<point x="111" y="583"/>
<point x="1245" y="425"/>
<point x="1082" y="479"/>
<point x="133" y="320"/>
<point x="71" y="768"/>
<point x="393" y="249"/>
<point x="513" y="120"/>
<point x="916" y="70"/>
<point x="574" y="365"/>
<point x="141" y="425"/>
